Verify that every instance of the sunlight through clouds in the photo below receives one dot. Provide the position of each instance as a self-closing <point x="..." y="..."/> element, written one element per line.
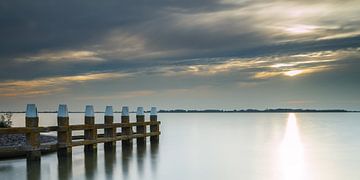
<point x="45" y="86"/>
<point x="266" y="67"/>
<point x="261" y="68"/>
<point x="70" y="55"/>
<point x="293" y="72"/>
<point x="301" y="29"/>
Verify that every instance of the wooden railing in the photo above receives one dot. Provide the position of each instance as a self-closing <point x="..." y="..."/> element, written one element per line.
<point x="90" y="139"/>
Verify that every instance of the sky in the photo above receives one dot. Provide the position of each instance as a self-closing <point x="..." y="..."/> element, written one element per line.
<point x="192" y="54"/>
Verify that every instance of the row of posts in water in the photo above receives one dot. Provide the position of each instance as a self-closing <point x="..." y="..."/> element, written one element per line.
<point x="91" y="138"/>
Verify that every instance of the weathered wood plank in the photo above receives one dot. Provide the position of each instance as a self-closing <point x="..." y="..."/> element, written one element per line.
<point x="48" y="128"/>
<point x="117" y="138"/>
<point x="24" y="130"/>
<point x="80" y="127"/>
<point x="17" y="130"/>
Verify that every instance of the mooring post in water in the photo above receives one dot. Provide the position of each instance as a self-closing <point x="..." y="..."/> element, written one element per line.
<point x="140" y="117"/>
<point x="109" y="132"/>
<point x="32" y="138"/>
<point x="90" y="133"/>
<point x="64" y="152"/>
<point x="64" y="132"/>
<point x="155" y="127"/>
<point x="125" y="131"/>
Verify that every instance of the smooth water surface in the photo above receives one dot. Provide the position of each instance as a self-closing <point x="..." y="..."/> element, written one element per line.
<point x="215" y="146"/>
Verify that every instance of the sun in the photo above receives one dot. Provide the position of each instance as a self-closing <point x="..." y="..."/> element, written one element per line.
<point x="300" y="29"/>
<point x="293" y="72"/>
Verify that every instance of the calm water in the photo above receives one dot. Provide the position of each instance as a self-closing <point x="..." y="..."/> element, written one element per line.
<point x="307" y="146"/>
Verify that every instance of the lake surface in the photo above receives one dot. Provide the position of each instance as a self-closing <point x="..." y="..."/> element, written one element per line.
<point x="214" y="146"/>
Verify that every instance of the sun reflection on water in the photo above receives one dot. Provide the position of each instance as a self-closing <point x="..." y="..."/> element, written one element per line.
<point x="292" y="160"/>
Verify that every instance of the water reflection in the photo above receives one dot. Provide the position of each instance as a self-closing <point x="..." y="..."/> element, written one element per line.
<point x="33" y="169"/>
<point x="154" y="151"/>
<point x="327" y="149"/>
<point x="110" y="161"/>
<point x="140" y="152"/>
<point x="64" y="165"/>
<point x="90" y="164"/>
<point x="292" y="160"/>
<point x="126" y="159"/>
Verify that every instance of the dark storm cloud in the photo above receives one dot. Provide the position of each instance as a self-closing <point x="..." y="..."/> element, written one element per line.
<point x="38" y="69"/>
<point x="27" y="27"/>
<point x="165" y="32"/>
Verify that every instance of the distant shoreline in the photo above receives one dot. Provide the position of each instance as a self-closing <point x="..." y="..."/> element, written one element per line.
<point x="260" y="111"/>
<point x="223" y="111"/>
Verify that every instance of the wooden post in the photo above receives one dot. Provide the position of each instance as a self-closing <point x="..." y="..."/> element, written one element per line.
<point x="109" y="132"/>
<point x="64" y="134"/>
<point x="33" y="138"/>
<point x="90" y="134"/>
<point x="154" y="128"/>
<point x="140" y="117"/>
<point x="126" y="130"/>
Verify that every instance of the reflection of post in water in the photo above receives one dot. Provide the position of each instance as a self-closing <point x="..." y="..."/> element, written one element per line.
<point x="126" y="157"/>
<point x="64" y="165"/>
<point x="140" y="153"/>
<point x="33" y="169"/>
<point x="110" y="160"/>
<point x="154" y="150"/>
<point x="90" y="164"/>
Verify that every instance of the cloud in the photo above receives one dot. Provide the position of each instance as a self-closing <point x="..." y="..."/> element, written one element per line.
<point x="46" y="86"/>
<point x="236" y="69"/>
<point x="167" y="30"/>
<point x="69" y="55"/>
<point x="120" y="95"/>
<point x="265" y="67"/>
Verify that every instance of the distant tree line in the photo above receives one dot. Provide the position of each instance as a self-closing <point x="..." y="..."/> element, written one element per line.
<point x="251" y="110"/>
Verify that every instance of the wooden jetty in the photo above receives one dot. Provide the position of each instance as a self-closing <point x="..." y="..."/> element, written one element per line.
<point x="90" y="139"/>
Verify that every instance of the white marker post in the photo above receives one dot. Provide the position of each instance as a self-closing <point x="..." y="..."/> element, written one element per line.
<point x="140" y="129"/>
<point x="32" y="138"/>
<point x="154" y="128"/>
<point x="109" y="132"/>
<point x="90" y="134"/>
<point x="64" y="133"/>
<point x="126" y="131"/>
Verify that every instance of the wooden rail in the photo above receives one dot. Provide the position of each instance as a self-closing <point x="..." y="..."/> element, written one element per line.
<point x="90" y="139"/>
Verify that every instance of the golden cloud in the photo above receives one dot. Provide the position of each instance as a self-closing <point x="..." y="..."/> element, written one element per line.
<point x="45" y="86"/>
<point x="266" y="67"/>
<point x="70" y="55"/>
